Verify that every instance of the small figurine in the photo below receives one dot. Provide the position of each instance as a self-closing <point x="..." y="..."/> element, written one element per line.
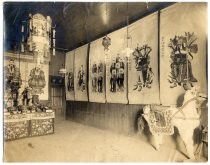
<point x="27" y="96"/>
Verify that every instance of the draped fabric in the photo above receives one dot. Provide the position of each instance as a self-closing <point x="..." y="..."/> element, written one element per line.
<point x="183" y="40"/>
<point x="159" y="120"/>
<point x="116" y="68"/>
<point x="97" y="72"/>
<point x="69" y="79"/>
<point x="143" y="85"/>
<point x="80" y="73"/>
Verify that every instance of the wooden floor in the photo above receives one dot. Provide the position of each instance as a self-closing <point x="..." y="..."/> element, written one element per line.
<point x="74" y="142"/>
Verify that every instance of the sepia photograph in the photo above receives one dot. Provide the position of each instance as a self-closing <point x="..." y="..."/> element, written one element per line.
<point x="105" y="82"/>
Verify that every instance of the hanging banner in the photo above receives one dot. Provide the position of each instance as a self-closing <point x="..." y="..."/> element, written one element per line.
<point x="116" y="68"/>
<point x="97" y="72"/>
<point x="183" y="40"/>
<point x="80" y="73"/>
<point x="143" y="85"/>
<point x="33" y="78"/>
<point x="69" y="79"/>
<point x="38" y="80"/>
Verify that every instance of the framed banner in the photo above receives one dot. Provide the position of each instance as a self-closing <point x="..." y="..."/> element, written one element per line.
<point x="183" y="41"/>
<point x="80" y="73"/>
<point x="143" y="84"/>
<point x="97" y="72"/>
<point x="116" y="68"/>
<point x="69" y="78"/>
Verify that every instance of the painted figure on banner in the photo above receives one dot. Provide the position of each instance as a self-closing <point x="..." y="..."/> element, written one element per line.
<point x="183" y="48"/>
<point x="117" y="75"/>
<point x="94" y="77"/>
<point x="81" y="79"/>
<point x="70" y="81"/>
<point x="142" y="61"/>
<point x="13" y="81"/>
<point x="97" y="77"/>
<point x="100" y="77"/>
<point x="37" y="80"/>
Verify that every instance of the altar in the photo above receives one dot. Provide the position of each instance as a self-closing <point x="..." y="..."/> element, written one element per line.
<point x="18" y="126"/>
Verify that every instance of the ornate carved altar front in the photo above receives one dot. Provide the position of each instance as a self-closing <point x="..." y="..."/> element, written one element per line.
<point x="18" y="126"/>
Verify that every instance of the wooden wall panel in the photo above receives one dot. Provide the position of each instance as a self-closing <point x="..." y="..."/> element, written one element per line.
<point x="56" y="62"/>
<point x="119" y="118"/>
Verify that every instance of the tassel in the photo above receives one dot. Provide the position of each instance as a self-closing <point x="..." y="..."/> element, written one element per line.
<point x="22" y="29"/>
<point x="53" y="42"/>
<point x="53" y="33"/>
<point x="53" y="51"/>
<point x="30" y="46"/>
<point x="23" y="38"/>
<point x="22" y="47"/>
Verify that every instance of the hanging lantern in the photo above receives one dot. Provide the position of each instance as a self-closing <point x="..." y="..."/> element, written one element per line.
<point x="106" y="42"/>
<point x="62" y="71"/>
<point x="127" y="50"/>
<point x="39" y="35"/>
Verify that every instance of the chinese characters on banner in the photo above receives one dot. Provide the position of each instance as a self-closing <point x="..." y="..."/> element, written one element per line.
<point x="143" y="85"/>
<point x="183" y="40"/>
